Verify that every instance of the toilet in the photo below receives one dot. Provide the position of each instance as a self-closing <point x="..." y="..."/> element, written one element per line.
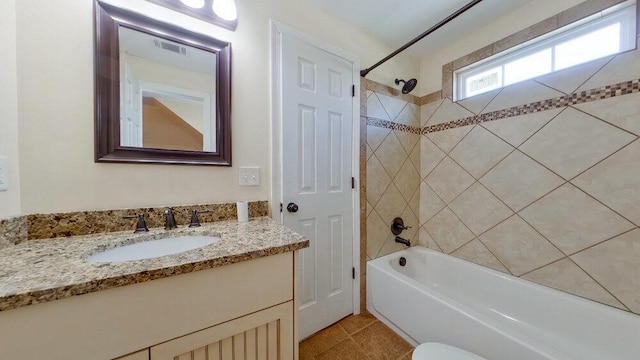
<point x="437" y="351"/>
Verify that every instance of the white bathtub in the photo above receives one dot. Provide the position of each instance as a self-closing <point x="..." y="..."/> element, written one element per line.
<point x="439" y="298"/>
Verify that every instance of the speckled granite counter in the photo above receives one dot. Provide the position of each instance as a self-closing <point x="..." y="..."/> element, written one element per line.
<point x="38" y="271"/>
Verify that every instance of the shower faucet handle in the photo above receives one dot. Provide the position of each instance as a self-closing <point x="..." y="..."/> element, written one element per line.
<point x="397" y="226"/>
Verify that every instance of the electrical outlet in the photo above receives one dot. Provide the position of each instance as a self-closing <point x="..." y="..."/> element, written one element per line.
<point x="249" y="176"/>
<point x="4" y="182"/>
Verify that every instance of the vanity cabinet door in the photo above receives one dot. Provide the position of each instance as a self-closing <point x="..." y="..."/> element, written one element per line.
<point x="264" y="335"/>
<point x="140" y="355"/>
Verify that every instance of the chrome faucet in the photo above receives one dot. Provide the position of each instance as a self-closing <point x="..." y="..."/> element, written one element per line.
<point x="169" y="219"/>
<point x="403" y="241"/>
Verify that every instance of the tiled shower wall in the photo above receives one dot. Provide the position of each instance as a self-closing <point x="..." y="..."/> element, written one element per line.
<point x="549" y="191"/>
<point x="392" y="167"/>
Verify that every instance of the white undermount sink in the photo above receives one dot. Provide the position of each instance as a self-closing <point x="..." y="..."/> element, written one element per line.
<point x="153" y="248"/>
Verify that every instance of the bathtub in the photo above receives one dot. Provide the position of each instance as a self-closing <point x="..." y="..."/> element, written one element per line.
<point x="439" y="298"/>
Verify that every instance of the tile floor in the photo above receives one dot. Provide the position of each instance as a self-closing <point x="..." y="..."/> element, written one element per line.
<point x="357" y="337"/>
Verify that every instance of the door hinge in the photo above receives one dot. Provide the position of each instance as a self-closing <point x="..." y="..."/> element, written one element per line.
<point x="353" y="182"/>
<point x="353" y="273"/>
<point x="280" y="207"/>
<point x="353" y="91"/>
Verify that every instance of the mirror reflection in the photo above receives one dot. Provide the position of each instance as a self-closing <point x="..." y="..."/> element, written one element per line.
<point x="167" y="94"/>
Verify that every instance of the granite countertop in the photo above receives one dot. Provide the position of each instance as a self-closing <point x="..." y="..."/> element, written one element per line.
<point x="38" y="271"/>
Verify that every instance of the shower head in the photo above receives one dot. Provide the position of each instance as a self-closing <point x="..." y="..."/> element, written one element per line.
<point x="408" y="85"/>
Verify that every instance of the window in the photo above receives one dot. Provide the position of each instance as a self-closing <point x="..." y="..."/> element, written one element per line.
<point x="609" y="32"/>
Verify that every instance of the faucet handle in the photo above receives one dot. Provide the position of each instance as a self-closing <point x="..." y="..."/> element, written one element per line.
<point x="142" y="224"/>
<point x="397" y="226"/>
<point x="195" y="221"/>
<point x="170" y="220"/>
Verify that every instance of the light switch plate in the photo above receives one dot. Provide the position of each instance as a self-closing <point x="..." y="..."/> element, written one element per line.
<point x="249" y="176"/>
<point x="4" y="182"/>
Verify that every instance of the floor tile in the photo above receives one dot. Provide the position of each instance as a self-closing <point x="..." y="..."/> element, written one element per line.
<point x="354" y="323"/>
<point x="324" y="340"/>
<point x="380" y="342"/>
<point x="346" y="350"/>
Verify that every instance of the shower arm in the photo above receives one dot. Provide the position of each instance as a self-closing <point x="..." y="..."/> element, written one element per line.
<point x="437" y="26"/>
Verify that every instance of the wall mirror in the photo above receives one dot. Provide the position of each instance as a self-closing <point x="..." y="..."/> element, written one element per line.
<point x="163" y="93"/>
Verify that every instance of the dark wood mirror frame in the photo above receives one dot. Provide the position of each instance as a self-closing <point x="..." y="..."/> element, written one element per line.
<point x="107" y="90"/>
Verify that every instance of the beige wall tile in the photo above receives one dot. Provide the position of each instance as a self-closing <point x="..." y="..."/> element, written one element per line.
<point x="414" y="202"/>
<point x="414" y="156"/>
<point x="623" y="67"/>
<point x="622" y="111"/>
<point x="515" y="130"/>
<point x="519" y="181"/>
<point x="411" y="220"/>
<point x="574" y="141"/>
<point x="407" y="116"/>
<point x="569" y="80"/>
<point x="407" y="140"/>
<point x="477" y="253"/>
<point x="522" y="93"/>
<point x="479" y="151"/>
<point x="614" y="264"/>
<point x="448" y="139"/>
<point x="479" y="209"/>
<point x="390" y="246"/>
<point x="375" y="136"/>
<point x="572" y="220"/>
<point x="377" y="180"/>
<point x="430" y="156"/>
<point x="427" y="241"/>
<point x="566" y="276"/>
<point x="392" y="105"/>
<point x="477" y="103"/>
<point x="449" y="180"/>
<point x="519" y="247"/>
<point x="448" y="111"/>
<point x="430" y="203"/>
<point x="391" y="204"/>
<point x="391" y="154"/>
<point x="616" y="182"/>
<point x="375" y="109"/>
<point x="427" y="111"/>
<point x="377" y="233"/>
<point x="448" y="231"/>
<point x="369" y="151"/>
<point x="407" y="180"/>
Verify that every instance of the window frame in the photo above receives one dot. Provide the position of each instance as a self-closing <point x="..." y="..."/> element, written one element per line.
<point x="624" y="13"/>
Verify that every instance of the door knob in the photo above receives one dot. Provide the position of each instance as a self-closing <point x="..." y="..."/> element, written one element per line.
<point x="292" y="207"/>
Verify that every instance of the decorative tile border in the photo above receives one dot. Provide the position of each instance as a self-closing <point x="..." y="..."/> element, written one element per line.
<point x="394" y="126"/>
<point x="605" y="92"/>
<point x="46" y="226"/>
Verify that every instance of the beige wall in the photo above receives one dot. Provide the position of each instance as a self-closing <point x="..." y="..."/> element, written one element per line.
<point x="55" y="98"/>
<point x="9" y="200"/>
<point x="529" y="14"/>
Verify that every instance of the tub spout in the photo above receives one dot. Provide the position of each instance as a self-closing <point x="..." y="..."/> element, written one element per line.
<point x="403" y="241"/>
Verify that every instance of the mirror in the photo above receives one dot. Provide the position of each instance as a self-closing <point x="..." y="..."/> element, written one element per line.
<point x="162" y="92"/>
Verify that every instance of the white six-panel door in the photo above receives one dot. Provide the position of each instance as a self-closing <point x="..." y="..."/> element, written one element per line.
<point x="317" y="136"/>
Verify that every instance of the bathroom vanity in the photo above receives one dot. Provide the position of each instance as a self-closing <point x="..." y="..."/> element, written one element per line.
<point x="233" y="299"/>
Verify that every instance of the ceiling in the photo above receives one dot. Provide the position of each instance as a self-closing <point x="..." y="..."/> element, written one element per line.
<point x="397" y="22"/>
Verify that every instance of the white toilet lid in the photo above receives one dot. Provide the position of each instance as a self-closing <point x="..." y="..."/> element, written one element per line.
<point x="437" y="351"/>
